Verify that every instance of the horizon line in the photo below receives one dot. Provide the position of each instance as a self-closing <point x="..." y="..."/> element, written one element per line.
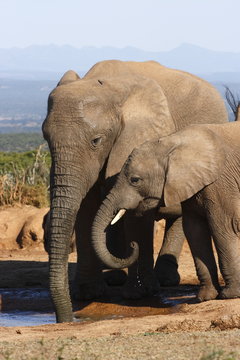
<point x="183" y="44"/>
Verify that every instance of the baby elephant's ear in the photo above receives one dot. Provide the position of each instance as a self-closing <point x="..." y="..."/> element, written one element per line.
<point x="197" y="159"/>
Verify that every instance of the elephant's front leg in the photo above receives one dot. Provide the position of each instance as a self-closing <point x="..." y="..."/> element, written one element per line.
<point x="166" y="267"/>
<point x="141" y="278"/>
<point x="88" y="282"/>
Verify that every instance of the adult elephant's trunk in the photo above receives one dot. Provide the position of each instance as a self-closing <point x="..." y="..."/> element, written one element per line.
<point x="66" y="195"/>
<point x="105" y="214"/>
<point x="62" y="222"/>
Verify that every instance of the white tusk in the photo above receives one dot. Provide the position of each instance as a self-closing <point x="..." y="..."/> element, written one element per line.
<point x="118" y="216"/>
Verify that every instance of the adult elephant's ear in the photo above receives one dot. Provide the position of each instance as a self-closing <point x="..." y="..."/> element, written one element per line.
<point x="196" y="158"/>
<point x="145" y="115"/>
<point x="68" y="77"/>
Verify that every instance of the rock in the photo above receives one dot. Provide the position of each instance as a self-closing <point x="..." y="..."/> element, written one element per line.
<point x="21" y="227"/>
<point x="31" y="233"/>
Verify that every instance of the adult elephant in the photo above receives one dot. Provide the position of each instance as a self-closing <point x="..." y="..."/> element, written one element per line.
<point x="91" y="127"/>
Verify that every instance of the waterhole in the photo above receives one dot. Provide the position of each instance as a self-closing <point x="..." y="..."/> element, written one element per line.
<point x="30" y="307"/>
<point x="26" y="318"/>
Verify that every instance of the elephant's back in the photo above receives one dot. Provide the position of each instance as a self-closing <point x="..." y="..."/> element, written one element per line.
<point x="230" y="132"/>
<point x="108" y="69"/>
<point x="114" y="68"/>
<point x="191" y="99"/>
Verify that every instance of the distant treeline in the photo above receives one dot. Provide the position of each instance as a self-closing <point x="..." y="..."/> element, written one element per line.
<point x="21" y="142"/>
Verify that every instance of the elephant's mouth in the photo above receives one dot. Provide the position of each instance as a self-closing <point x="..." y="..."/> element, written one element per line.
<point x="147" y="204"/>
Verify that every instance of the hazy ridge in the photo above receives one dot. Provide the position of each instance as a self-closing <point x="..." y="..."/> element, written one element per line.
<point x="28" y="75"/>
<point x="57" y="59"/>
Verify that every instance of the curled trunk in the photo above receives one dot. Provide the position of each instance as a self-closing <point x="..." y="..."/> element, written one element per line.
<point x="103" y="218"/>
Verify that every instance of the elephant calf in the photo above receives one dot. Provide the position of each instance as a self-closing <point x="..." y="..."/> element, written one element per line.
<point x="198" y="167"/>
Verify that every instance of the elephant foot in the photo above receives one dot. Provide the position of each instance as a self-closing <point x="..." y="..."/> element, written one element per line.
<point x="207" y="293"/>
<point x="230" y="292"/>
<point x="88" y="291"/>
<point x="140" y="287"/>
<point x="115" y="277"/>
<point x="166" y="270"/>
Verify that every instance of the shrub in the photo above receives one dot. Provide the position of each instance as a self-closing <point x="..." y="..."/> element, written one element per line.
<point x="24" y="177"/>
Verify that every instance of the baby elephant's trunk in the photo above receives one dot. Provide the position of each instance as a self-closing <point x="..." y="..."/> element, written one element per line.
<point x="102" y="220"/>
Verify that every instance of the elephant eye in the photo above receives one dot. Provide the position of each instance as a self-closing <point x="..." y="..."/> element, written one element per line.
<point x="96" y="141"/>
<point x="135" y="180"/>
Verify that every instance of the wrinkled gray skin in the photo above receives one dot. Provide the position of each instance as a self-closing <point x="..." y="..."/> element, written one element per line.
<point x="91" y="127"/>
<point x="198" y="167"/>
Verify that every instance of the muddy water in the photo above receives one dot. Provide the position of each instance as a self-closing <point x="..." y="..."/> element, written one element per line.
<point x="26" y="318"/>
<point x="30" y="307"/>
<point x="25" y="307"/>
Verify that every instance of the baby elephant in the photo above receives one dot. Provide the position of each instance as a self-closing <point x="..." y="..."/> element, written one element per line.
<point x="198" y="167"/>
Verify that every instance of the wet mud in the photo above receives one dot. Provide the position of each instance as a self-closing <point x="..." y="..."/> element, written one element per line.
<point x="25" y="301"/>
<point x="33" y="306"/>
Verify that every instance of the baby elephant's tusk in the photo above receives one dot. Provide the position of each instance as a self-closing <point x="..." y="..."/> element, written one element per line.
<point x="118" y="216"/>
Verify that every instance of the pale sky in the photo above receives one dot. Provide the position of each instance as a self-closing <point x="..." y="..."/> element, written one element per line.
<point x="155" y="25"/>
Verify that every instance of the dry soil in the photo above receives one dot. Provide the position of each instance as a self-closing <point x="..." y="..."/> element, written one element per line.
<point x="171" y="325"/>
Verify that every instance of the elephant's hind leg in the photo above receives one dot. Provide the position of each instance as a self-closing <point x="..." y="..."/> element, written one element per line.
<point x="198" y="235"/>
<point x="227" y="246"/>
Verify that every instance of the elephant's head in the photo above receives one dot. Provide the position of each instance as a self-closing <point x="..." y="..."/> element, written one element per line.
<point x="92" y="124"/>
<point x="164" y="172"/>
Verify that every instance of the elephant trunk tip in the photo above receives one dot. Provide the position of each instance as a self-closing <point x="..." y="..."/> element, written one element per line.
<point x="134" y="245"/>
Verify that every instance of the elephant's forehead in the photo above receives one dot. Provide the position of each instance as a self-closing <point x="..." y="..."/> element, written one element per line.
<point x="142" y="159"/>
<point x="138" y="162"/>
<point x="144" y="151"/>
<point x="88" y="114"/>
<point x="82" y="104"/>
<point x="78" y="90"/>
<point x="68" y="96"/>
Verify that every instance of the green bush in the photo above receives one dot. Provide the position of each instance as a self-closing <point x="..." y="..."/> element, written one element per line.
<point x="24" y="177"/>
